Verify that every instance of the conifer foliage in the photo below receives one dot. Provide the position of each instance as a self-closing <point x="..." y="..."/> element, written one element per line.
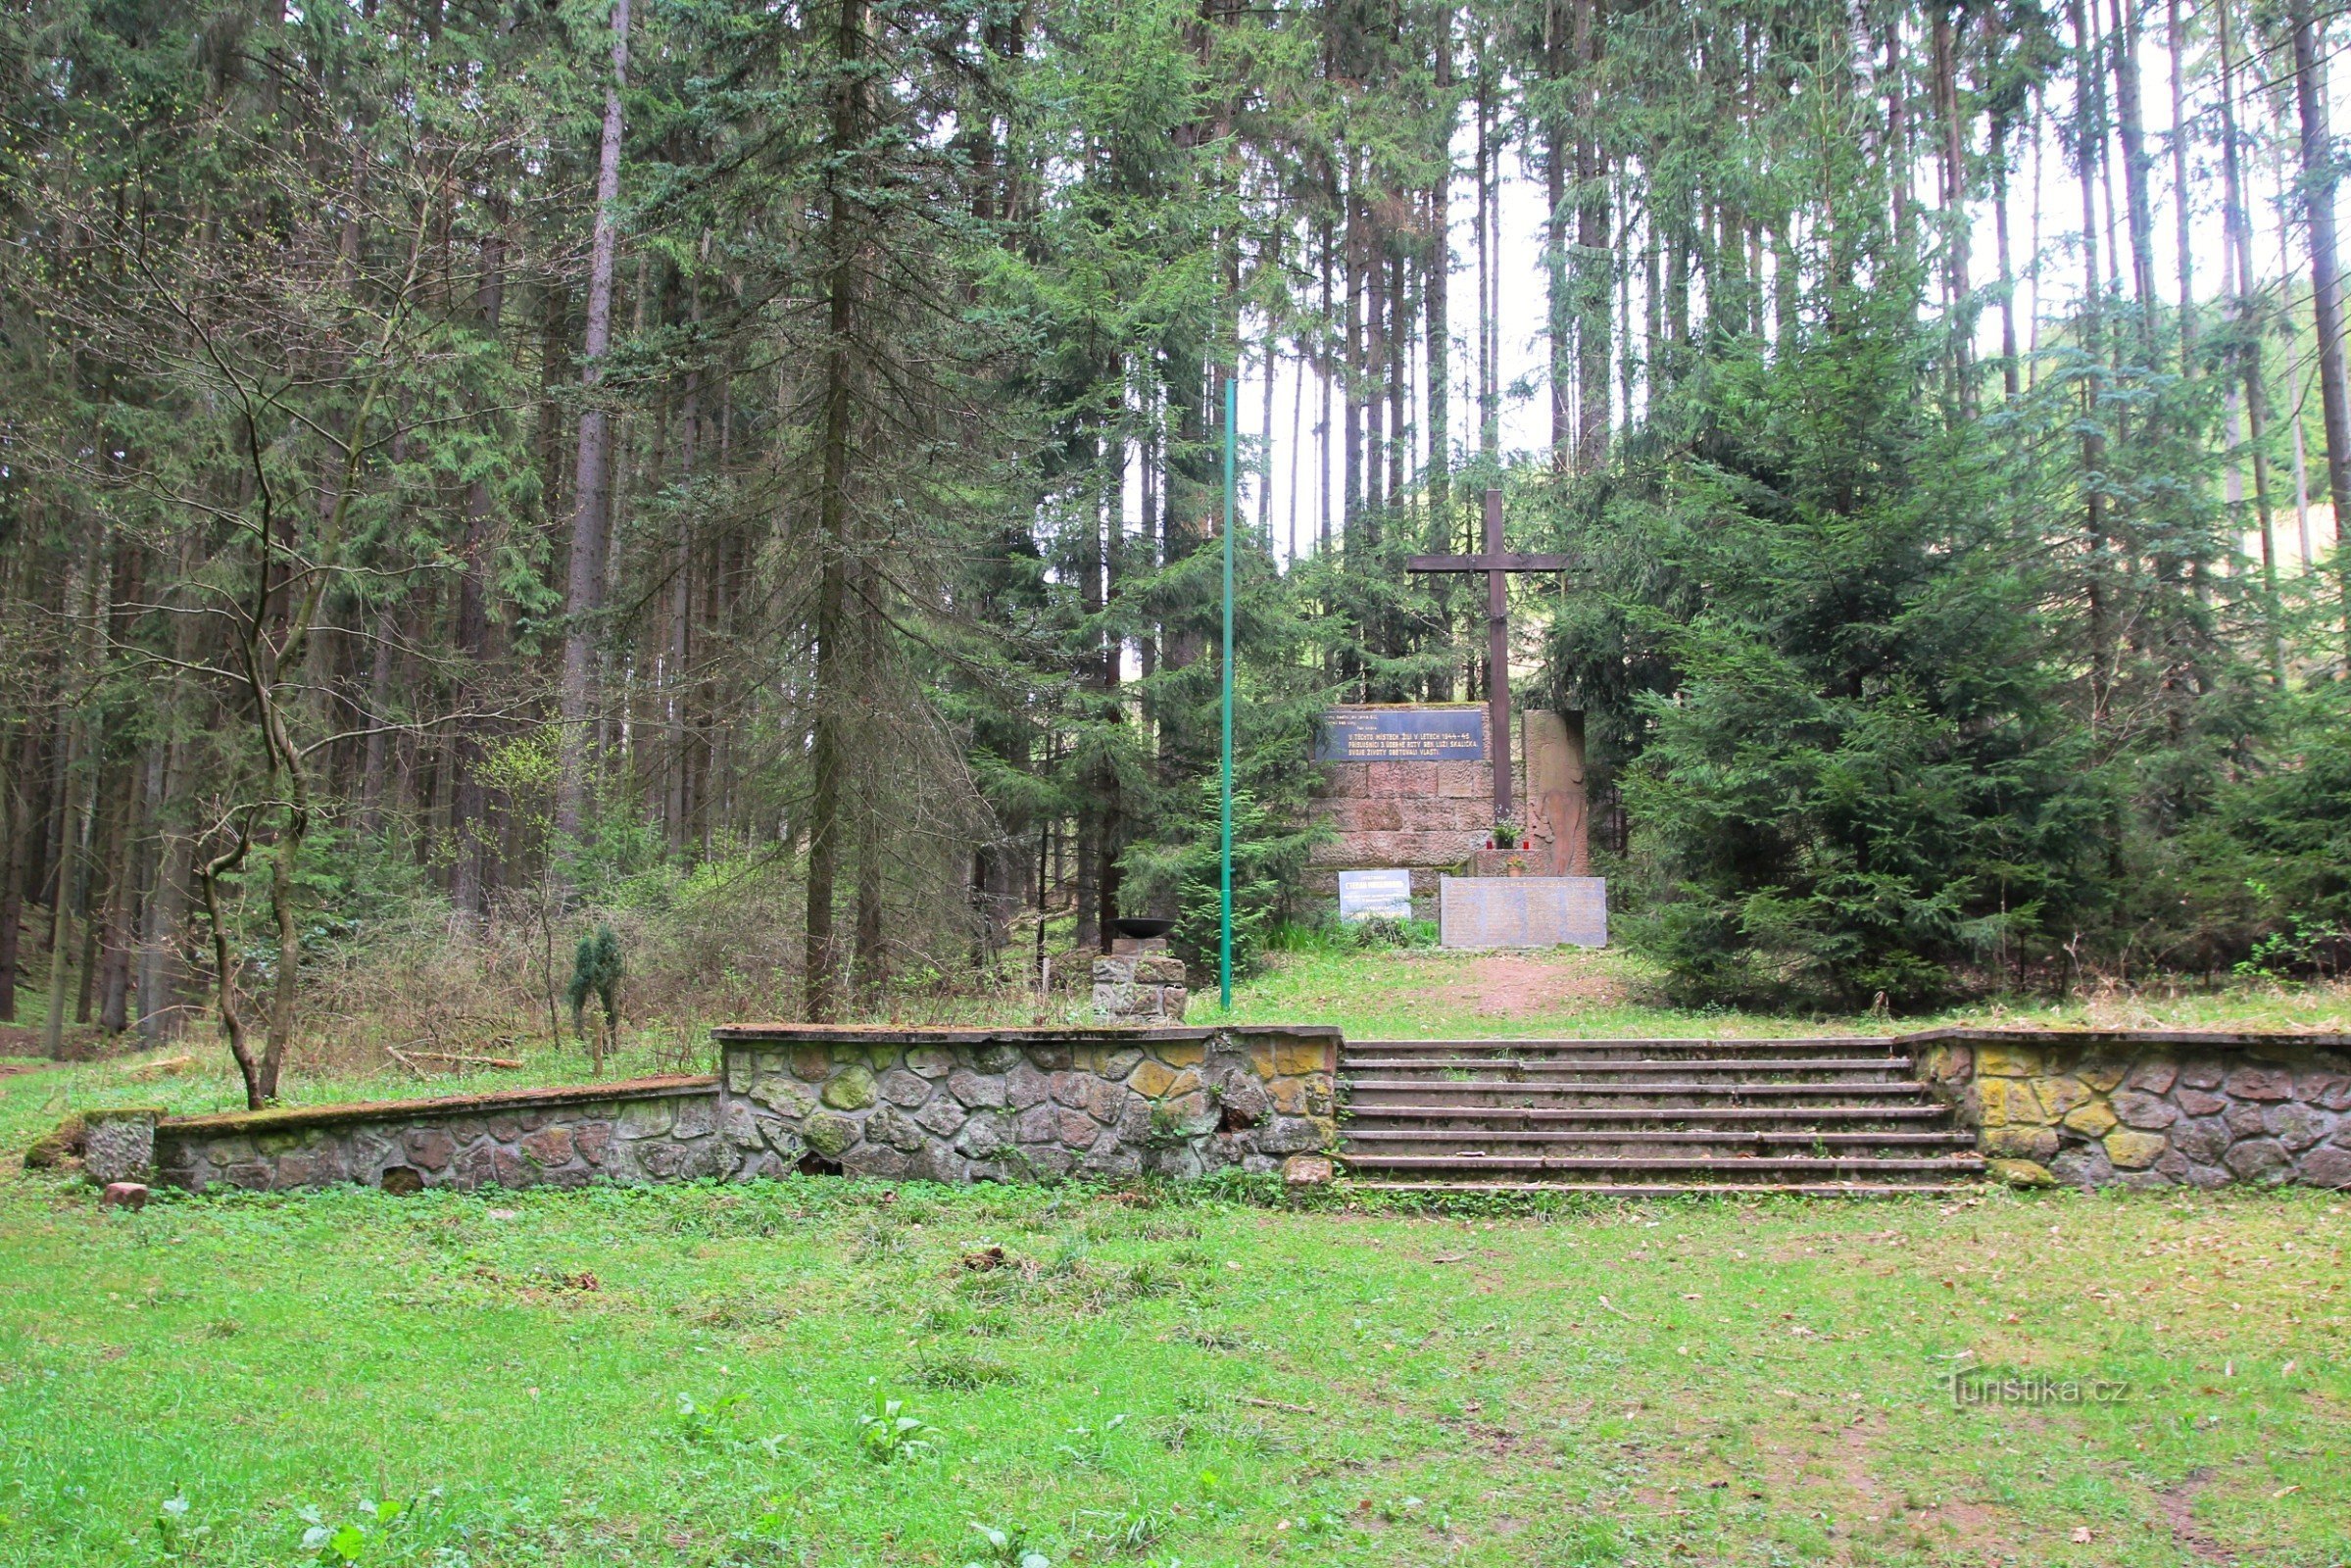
<point x="536" y="459"/>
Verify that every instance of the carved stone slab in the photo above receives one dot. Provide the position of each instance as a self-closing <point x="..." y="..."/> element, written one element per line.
<point x="1523" y="912"/>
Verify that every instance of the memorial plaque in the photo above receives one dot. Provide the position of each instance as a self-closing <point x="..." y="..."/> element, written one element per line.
<point x="1523" y="912"/>
<point x="1375" y="894"/>
<point x="1453" y="732"/>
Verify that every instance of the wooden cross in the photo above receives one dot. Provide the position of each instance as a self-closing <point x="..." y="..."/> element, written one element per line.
<point x="1497" y="566"/>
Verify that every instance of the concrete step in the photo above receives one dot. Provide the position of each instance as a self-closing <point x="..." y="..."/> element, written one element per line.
<point x="1364" y="1096"/>
<point x="1600" y="1049"/>
<point x="1504" y="1116"/>
<point x="1827" y="1116"/>
<point x="1848" y="1166"/>
<point x="1514" y="1070"/>
<point x="1441" y="1190"/>
<point x="1678" y="1142"/>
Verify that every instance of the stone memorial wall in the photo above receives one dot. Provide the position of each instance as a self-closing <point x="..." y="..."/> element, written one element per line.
<point x="1421" y="814"/>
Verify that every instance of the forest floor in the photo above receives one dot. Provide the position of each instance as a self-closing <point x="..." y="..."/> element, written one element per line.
<point x="676" y="1376"/>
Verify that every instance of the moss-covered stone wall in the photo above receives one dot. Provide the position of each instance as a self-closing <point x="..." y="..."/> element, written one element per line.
<point x="952" y="1107"/>
<point x="949" y="1106"/>
<point x="2149" y="1107"/>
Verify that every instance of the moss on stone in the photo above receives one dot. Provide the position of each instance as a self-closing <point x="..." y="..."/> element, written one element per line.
<point x="849" y="1088"/>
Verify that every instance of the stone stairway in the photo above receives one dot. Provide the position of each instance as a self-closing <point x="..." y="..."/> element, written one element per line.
<point x="1842" y="1117"/>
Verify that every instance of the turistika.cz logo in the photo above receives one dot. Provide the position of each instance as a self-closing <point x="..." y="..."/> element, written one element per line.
<point x="1996" y="1387"/>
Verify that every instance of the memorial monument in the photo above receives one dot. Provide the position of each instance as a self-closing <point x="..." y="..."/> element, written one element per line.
<point x="1405" y="793"/>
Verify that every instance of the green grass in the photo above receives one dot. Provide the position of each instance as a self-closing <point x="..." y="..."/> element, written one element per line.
<point x="1191" y="1380"/>
<point x="1422" y="993"/>
<point x="1180" y="1377"/>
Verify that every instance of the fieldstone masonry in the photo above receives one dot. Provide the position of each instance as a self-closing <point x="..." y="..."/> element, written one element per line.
<point x="1139" y="982"/>
<point x="2149" y="1109"/>
<point x="642" y="1130"/>
<point x="1020" y="1105"/>
<point x="951" y="1106"/>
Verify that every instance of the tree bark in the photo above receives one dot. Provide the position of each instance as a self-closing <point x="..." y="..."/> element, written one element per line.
<point x="2318" y="181"/>
<point x="1440" y="267"/>
<point x="471" y="836"/>
<point x="592" y="472"/>
<point x="835" y="520"/>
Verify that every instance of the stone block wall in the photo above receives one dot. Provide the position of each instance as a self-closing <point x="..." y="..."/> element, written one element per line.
<point x="1017" y="1104"/>
<point x="1426" y="817"/>
<point x="1141" y="982"/>
<point x="2149" y="1109"/>
<point x="647" y="1129"/>
<point x="939" y="1104"/>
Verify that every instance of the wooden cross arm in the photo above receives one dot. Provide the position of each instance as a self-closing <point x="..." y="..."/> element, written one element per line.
<point x="1488" y="563"/>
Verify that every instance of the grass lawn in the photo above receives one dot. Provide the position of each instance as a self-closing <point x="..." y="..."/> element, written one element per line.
<point x="1433" y="994"/>
<point x="1170" y="1378"/>
<point x="1147" y="1382"/>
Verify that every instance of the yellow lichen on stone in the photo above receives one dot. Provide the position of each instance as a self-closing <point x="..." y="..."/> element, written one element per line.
<point x="2103" y="1076"/>
<point x="2006" y="1061"/>
<point x="2021" y="1143"/>
<point x="2093" y="1118"/>
<point x="2130" y="1150"/>
<point x="1180" y="1055"/>
<point x="2009" y="1102"/>
<point x="1155" y="1080"/>
<point x="2061" y="1094"/>
<point x="1289" y="1096"/>
<point x="2022" y="1173"/>
<point x="1294" y="1057"/>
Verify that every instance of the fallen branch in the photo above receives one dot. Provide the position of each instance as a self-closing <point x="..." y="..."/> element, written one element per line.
<point x="158" y="1069"/>
<point x="408" y="1058"/>
<point x="1276" y="1404"/>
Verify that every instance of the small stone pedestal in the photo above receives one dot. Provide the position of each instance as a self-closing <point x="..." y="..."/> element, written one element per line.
<point x="1139" y="982"/>
<point x="1524" y="861"/>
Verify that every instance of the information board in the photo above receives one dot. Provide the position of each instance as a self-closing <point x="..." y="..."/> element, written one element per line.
<point x="1450" y="732"/>
<point x="1522" y="911"/>
<point x="1385" y="895"/>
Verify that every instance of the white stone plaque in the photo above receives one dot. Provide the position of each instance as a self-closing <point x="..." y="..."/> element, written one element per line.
<point x="1385" y="895"/>
<point x="1522" y="911"/>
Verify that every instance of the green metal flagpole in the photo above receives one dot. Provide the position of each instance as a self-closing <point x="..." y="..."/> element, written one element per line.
<point x="1224" y="897"/>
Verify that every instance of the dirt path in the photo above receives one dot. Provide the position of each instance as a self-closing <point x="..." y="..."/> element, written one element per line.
<point x="1517" y="985"/>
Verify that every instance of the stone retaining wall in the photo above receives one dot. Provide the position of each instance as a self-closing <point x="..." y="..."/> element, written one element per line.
<point x="2149" y="1107"/>
<point x="640" y="1130"/>
<point x="948" y="1105"/>
<point x="1014" y="1104"/>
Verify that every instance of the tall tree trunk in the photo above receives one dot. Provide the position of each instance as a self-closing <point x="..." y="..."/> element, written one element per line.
<point x="125" y="834"/>
<point x="1557" y="295"/>
<point x="16" y="857"/>
<point x="470" y="840"/>
<point x="2238" y="249"/>
<point x="87" y="598"/>
<point x="836" y="518"/>
<point x="167" y="902"/>
<point x="593" y="471"/>
<point x="1595" y="261"/>
<point x="1488" y="402"/>
<point x="2320" y="177"/>
<point x="1440" y="267"/>
<point x="2090" y="136"/>
<point x="2183" y="209"/>
<point x="2138" y="167"/>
